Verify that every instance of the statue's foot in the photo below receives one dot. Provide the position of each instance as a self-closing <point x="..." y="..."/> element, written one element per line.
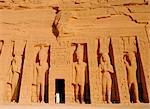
<point x="109" y="102"/>
<point x="82" y="102"/>
<point x="137" y="101"/>
<point x="42" y="102"/>
<point x="105" y="102"/>
<point x="13" y="102"/>
<point x="77" y="101"/>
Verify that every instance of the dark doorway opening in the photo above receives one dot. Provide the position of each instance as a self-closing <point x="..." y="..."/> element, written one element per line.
<point x="60" y="88"/>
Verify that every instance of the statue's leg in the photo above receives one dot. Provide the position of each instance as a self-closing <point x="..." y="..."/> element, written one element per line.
<point x="136" y="92"/>
<point x="42" y="90"/>
<point x="109" y="83"/>
<point x="82" y="92"/>
<point x="129" y="85"/>
<point x="77" y="90"/>
<point x="38" y="91"/>
<point x="104" y="89"/>
<point x="34" y="94"/>
<point x="75" y="97"/>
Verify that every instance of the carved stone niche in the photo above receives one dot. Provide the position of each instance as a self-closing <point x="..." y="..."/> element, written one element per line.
<point x="131" y="56"/>
<point x="79" y="50"/>
<point x="105" y="48"/>
<point x="40" y="74"/>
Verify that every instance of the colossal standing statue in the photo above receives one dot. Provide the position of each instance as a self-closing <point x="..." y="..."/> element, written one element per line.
<point x="106" y="69"/>
<point x="79" y="69"/>
<point x="42" y="68"/>
<point x="14" y="75"/>
<point x="131" y="67"/>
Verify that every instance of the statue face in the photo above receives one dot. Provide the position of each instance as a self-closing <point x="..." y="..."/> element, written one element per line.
<point x="79" y="53"/>
<point x="104" y="57"/>
<point x="79" y="57"/>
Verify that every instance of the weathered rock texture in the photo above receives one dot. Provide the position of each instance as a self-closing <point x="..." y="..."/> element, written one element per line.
<point x="116" y="27"/>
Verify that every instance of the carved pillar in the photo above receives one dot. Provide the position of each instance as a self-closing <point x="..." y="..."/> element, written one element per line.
<point x="94" y="79"/>
<point x="51" y="76"/>
<point x="68" y="87"/>
<point x="26" y="89"/>
<point x="120" y="70"/>
<point x="144" y="51"/>
<point x="51" y="86"/>
<point x="5" y="61"/>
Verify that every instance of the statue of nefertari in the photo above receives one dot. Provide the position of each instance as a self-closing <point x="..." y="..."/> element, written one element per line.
<point x="106" y="69"/>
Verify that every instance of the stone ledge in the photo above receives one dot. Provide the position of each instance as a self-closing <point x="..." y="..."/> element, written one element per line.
<point x="76" y="106"/>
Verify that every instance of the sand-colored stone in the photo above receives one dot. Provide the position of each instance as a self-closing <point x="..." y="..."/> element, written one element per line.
<point x="56" y="47"/>
<point x="131" y="67"/>
<point x="79" y="69"/>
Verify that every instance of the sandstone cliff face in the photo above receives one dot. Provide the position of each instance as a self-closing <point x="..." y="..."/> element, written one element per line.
<point x="116" y="27"/>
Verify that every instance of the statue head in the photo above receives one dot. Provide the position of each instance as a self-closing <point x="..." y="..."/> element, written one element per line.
<point x="79" y="53"/>
<point x="105" y="58"/>
<point x="42" y="55"/>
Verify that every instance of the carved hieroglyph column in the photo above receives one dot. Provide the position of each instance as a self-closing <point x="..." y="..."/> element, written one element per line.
<point x="5" y="61"/>
<point x="26" y="83"/>
<point x="94" y="79"/>
<point x="120" y="70"/>
<point x="144" y="51"/>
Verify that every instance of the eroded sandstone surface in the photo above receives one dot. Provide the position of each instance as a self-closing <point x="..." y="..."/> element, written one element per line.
<point x="74" y="51"/>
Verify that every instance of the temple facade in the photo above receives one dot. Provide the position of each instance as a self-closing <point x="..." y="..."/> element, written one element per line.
<point x="75" y="51"/>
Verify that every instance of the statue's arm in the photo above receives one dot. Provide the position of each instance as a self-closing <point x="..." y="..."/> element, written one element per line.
<point x="73" y="73"/>
<point x="10" y="74"/>
<point x="111" y="70"/>
<point x="34" y="74"/>
<point x="99" y="69"/>
<point x="126" y="64"/>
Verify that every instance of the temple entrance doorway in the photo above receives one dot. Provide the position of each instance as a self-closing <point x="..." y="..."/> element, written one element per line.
<point x="60" y="91"/>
